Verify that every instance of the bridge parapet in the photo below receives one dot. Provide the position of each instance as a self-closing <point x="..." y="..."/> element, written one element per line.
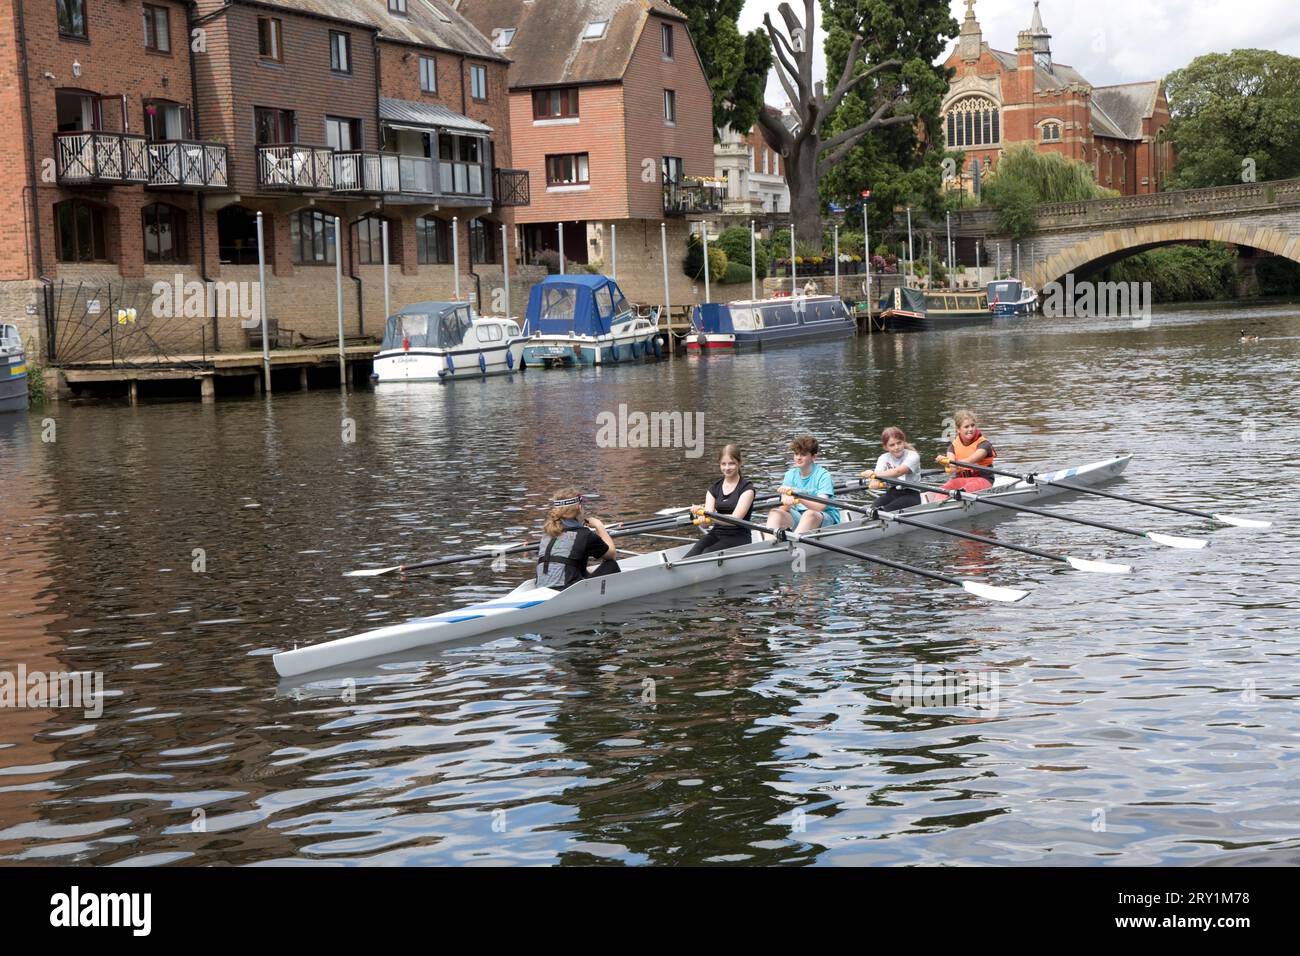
<point x="1213" y="202"/>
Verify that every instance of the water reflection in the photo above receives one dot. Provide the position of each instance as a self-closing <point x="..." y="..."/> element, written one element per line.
<point x="1140" y="719"/>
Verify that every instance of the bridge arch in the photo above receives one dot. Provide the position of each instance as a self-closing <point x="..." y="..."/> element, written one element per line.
<point x="1100" y="249"/>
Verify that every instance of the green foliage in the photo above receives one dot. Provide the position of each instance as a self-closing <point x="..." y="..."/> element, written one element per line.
<point x="735" y="242"/>
<point x="1181" y="273"/>
<point x="899" y="165"/>
<point x="1016" y="204"/>
<point x="693" y="264"/>
<point x="779" y="244"/>
<point x="737" y="272"/>
<point x="1227" y="108"/>
<point x="1026" y="178"/>
<point x="850" y="242"/>
<point x="1278" y="276"/>
<point x="35" y="385"/>
<point x="735" y="64"/>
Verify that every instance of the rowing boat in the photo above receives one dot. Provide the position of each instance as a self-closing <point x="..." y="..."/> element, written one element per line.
<point x="657" y="572"/>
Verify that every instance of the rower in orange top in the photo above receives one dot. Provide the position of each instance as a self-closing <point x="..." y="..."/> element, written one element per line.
<point x="968" y="445"/>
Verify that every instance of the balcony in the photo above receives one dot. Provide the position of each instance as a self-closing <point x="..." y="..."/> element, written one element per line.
<point x="512" y="187"/>
<point x="693" y="195"/>
<point x="461" y="179"/>
<point x="187" y="164"/>
<point x="295" y="168"/>
<point x="93" y="157"/>
<point x="365" y="171"/>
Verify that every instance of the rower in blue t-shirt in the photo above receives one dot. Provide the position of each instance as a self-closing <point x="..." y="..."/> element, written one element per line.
<point x="810" y="477"/>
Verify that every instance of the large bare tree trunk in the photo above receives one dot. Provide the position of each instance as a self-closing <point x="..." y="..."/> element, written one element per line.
<point x="806" y="155"/>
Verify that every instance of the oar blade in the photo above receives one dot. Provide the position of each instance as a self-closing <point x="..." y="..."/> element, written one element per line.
<point x="1096" y="567"/>
<point x="992" y="592"/>
<point x="667" y="512"/>
<point x="371" y="572"/>
<point x="1177" y="541"/>
<point x="1242" y="522"/>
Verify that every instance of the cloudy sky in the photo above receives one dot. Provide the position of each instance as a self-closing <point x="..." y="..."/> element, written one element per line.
<point x="1113" y="42"/>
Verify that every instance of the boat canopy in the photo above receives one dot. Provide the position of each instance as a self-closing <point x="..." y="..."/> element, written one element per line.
<point x="1005" y="290"/>
<point x="581" y="304"/>
<point x="427" y="325"/>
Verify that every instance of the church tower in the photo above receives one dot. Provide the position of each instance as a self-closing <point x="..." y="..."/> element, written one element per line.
<point x="970" y="39"/>
<point x="1040" y="41"/>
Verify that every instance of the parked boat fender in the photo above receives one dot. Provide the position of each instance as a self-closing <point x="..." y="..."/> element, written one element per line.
<point x="510" y="359"/>
<point x="451" y="365"/>
<point x="482" y="363"/>
<point x="658" y="348"/>
<point x="613" y="351"/>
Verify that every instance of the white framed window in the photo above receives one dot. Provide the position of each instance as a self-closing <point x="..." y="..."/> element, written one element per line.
<point x="504" y="38"/>
<point x="670" y="107"/>
<point x="595" y="29"/>
<point x="478" y="82"/>
<point x="428" y="74"/>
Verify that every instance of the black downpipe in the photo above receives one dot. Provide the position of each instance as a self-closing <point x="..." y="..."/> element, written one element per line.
<point x="47" y="295"/>
<point x="202" y="200"/>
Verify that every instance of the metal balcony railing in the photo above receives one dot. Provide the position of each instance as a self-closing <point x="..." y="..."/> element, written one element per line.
<point x="294" y="167"/>
<point x="365" y="171"/>
<point x="512" y="187"/>
<point x="687" y="197"/>
<point x="93" y="156"/>
<point x="188" y="164"/>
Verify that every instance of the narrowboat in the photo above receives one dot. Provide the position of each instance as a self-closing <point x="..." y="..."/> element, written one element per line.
<point x="13" y="371"/>
<point x="757" y="323"/>
<point x="916" y="310"/>
<point x="1011" y="297"/>
<point x="585" y="320"/>
<point x="443" y="341"/>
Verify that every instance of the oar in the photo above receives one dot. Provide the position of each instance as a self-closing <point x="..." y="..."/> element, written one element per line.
<point x="490" y="552"/>
<point x="1079" y="564"/>
<point x="1036" y="479"/>
<point x="1168" y="540"/>
<point x="766" y="499"/>
<point x="988" y="591"/>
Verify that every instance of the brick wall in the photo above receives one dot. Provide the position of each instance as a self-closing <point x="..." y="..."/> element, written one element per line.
<point x="649" y="136"/>
<point x="16" y="260"/>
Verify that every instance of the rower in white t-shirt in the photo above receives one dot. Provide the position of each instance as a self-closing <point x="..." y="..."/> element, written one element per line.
<point x="900" y="460"/>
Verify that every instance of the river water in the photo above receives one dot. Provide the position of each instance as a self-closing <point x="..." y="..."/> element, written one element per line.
<point x="1149" y="718"/>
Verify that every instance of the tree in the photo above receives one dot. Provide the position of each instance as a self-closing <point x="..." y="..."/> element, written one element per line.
<point x="883" y="65"/>
<point x="1233" y="118"/>
<point x="736" y="64"/>
<point x="902" y="164"/>
<point x="1026" y="179"/>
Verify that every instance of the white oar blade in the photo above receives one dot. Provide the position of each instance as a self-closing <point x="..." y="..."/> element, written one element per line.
<point x="992" y="593"/>
<point x="371" y="572"/>
<point x="1242" y="522"/>
<point x="1097" y="567"/>
<point x="1175" y="541"/>
<point x="674" y="511"/>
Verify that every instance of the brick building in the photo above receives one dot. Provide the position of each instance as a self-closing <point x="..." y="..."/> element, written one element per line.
<point x="999" y="99"/>
<point x="154" y="132"/>
<point x="612" y="117"/>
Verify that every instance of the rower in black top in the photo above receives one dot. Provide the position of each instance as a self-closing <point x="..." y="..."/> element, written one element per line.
<point x="732" y="494"/>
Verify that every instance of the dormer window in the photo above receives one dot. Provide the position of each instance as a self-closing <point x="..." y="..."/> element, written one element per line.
<point x="595" y="29"/>
<point x="505" y="38"/>
<point x="397" y="6"/>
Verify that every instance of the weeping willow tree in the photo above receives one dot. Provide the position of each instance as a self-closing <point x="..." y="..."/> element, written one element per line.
<point x="1025" y="178"/>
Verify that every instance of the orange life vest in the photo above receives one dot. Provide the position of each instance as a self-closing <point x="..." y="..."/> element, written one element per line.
<point x="962" y="452"/>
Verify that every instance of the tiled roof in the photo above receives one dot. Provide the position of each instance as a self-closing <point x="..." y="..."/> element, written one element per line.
<point x="1126" y="105"/>
<point x="433" y="23"/>
<point x="548" y="47"/>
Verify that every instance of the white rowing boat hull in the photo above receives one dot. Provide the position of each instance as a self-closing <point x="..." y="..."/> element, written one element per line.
<point x="648" y="574"/>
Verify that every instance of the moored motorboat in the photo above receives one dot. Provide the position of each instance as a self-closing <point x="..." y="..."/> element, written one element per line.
<point x="661" y="571"/>
<point x="756" y="323"/>
<point x="586" y="320"/>
<point x="915" y="310"/>
<point x="13" y="371"/>
<point x="1011" y="297"/>
<point x="441" y="341"/>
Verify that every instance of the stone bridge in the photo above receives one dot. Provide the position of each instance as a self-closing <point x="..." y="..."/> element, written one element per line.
<point x="1078" y="237"/>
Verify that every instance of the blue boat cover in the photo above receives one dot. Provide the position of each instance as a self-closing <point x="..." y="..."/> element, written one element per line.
<point x="581" y="304"/>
